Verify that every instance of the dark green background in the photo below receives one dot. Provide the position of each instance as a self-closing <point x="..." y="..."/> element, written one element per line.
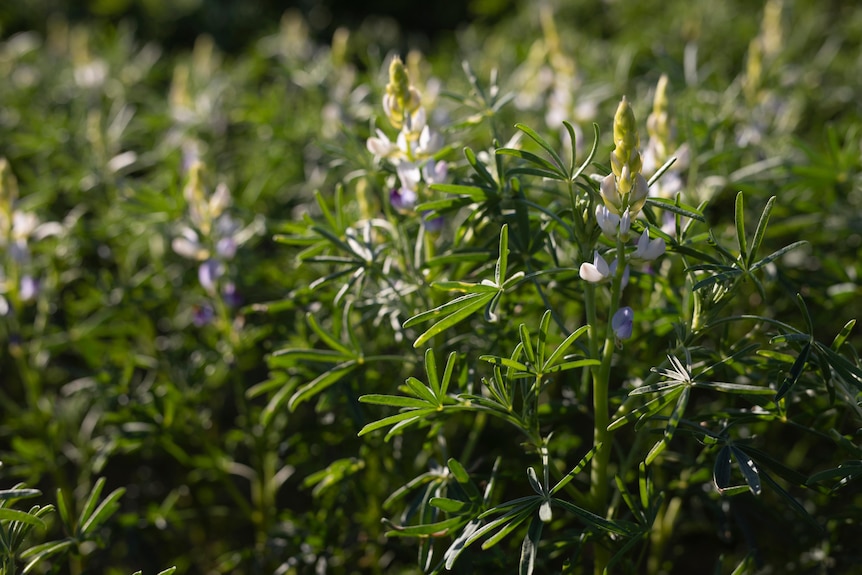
<point x="233" y="24"/>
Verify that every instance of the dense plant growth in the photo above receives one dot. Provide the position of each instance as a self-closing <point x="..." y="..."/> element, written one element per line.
<point x="569" y="294"/>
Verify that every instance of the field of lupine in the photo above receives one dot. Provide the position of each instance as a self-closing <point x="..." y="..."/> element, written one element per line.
<point x="574" y="292"/>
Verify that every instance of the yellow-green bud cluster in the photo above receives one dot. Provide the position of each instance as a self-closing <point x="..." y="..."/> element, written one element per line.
<point x="658" y="123"/>
<point x="625" y="188"/>
<point x="401" y="98"/>
<point x="203" y="210"/>
<point x="8" y="195"/>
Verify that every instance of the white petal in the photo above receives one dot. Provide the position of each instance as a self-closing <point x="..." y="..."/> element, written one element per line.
<point x="219" y="200"/>
<point x="590" y="273"/>
<point x="409" y="175"/>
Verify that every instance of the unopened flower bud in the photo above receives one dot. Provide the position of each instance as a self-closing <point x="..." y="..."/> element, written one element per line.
<point x="610" y="195"/>
<point x="638" y="194"/>
<point x="622" y="323"/>
<point x="624" y="183"/>
<point x="401" y="99"/>
<point x="626" y="138"/>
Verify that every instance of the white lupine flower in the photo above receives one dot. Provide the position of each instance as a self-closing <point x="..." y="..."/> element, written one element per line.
<point x="647" y="249"/>
<point x="608" y="221"/>
<point x="381" y="146"/>
<point x="429" y="142"/>
<point x="595" y="272"/>
<point x="23" y="224"/>
<point x="219" y="201"/>
<point x="208" y="274"/>
<point x="409" y="175"/>
<point x="189" y="246"/>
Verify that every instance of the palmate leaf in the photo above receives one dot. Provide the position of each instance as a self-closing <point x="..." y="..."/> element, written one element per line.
<point x="8" y="495"/>
<point x="514" y="513"/>
<point x="426" y="400"/>
<point x="475" y="193"/>
<point x="485" y="294"/>
<point x="533" y="135"/>
<point x="480" y="169"/>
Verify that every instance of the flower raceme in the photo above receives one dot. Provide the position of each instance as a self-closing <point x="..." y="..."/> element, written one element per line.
<point x="625" y="188"/>
<point x="413" y="149"/>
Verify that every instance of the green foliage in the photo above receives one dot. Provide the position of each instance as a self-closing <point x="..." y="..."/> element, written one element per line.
<point x="249" y="325"/>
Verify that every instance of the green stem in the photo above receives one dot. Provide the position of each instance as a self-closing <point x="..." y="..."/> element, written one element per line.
<point x="602" y="437"/>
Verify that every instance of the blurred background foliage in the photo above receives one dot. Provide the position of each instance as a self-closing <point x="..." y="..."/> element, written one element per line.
<point x="111" y="371"/>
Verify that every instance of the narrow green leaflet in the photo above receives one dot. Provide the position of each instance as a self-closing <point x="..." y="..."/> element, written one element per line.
<point x="7" y="514"/>
<point x="530" y="547"/>
<point x="321" y="382"/>
<point x="576" y="469"/>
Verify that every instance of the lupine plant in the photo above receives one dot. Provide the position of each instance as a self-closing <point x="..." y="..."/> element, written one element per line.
<point x="566" y="295"/>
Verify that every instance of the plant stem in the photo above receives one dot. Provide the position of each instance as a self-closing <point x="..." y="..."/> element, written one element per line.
<point x="601" y="406"/>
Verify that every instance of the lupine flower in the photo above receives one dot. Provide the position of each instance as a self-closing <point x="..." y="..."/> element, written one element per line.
<point x="213" y="236"/>
<point x="611" y="224"/>
<point x="599" y="271"/>
<point x="28" y="288"/>
<point x="230" y="295"/>
<point x="648" y="250"/>
<point x="401" y="98"/>
<point x="595" y="272"/>
<point x="433" y="225"/>
<point x="622" y="323"/>
<point x="402" y="200"/>
<point x="208" y="274"/>
<point x="435" y="172"/>
<point x="203" y="315"/>
<point x="608" y="221"/>
<point x="381" y="146"/>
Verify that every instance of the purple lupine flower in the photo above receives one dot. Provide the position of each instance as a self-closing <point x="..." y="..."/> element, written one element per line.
<point x="622" y="323"/>
<point x="432" y="225"/>
<point x="231" y="295"/>
<point x="203" y="315"/>
<point x="402" y="200"/>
